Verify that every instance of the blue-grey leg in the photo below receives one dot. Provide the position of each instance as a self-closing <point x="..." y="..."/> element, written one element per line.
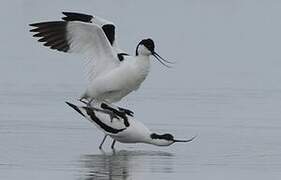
<point x="90" y="102"/>
<point x="83" y="100"/>
<point x="109" y="112"/>
<point x="113" y="143"/>
<point x="100" y="146"/>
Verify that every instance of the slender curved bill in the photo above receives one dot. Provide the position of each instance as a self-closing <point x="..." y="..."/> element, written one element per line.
<point x="186" y="140"/>
<point x="162" y="60"/>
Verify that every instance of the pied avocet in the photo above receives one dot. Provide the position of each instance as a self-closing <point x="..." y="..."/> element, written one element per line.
<point x="124" y="130"/>
<point x="113" y="73"/>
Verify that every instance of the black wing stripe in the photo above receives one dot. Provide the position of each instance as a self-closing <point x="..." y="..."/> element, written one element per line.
<point x="105" y="127"/>
<point x="91" y="113"/>
<point x="109" y="31"/>
<point x="53" y="34"/>
<point x="72" y="16"/>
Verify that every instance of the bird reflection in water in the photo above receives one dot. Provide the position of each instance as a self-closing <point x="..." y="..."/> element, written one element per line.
<point x="123" y="165"/>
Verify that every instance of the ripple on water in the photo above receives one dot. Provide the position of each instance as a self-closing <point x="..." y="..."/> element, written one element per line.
<point x="123" y="164"/>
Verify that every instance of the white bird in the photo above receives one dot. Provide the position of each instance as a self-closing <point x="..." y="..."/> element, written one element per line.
<point x="113" y="74"/>
<point x="127" y="130"/>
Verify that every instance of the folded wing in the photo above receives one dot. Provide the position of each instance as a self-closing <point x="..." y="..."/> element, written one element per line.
<point x="102" y="120"/>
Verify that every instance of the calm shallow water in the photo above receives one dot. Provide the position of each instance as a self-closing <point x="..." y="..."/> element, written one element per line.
<point x="238" y="136"/>
<point x="225" y="88"/>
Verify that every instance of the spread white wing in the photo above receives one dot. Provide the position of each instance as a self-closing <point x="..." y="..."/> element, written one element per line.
<point x="77" y="34"/>
<point x="90" y="40"/>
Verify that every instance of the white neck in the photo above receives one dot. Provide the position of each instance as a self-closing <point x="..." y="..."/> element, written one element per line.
<point x="143" y="63"/>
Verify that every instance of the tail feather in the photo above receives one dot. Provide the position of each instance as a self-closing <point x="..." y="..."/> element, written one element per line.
<point x="75" y="108"/>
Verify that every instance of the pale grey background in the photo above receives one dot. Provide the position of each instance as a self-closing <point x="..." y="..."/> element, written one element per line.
<point x="225" y="87"/>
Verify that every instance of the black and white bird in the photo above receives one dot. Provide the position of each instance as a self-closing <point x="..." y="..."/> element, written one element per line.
<point x="113" y="74"/>
<point x="128" y="130"/>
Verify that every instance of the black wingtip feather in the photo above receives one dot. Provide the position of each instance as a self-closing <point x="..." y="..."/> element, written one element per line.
<point x="53" y="34"/>
<point x="32" y="24"/>
<point x="48" y="23"/>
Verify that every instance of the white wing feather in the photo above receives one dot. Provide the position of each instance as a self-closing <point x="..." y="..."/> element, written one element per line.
<point x="100" y="21"/>
<point x="90" y="40"/>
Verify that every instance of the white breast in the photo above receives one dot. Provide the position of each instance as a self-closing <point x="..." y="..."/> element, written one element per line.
<point x="136" y="71"/>
<point x="119" y="82"/>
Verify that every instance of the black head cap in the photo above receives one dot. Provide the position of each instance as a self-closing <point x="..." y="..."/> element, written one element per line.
<point x="168" y="137"/>
<point x="148" y="43"/>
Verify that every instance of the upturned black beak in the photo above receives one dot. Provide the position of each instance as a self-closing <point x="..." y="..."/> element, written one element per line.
<point x="162" y="60"/>
<point x="187" y="140"/>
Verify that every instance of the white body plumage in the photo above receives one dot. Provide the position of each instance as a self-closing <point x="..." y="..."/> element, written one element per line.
<point x="120" y="81"/>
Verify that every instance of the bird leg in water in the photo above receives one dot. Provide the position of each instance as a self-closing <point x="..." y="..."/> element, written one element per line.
<point x="100" y="146"/>
<point x="113" y="143"/>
